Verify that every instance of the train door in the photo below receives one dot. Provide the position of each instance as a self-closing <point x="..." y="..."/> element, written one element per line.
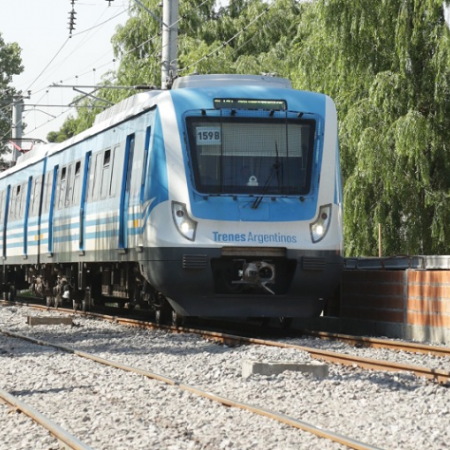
<point x="84" y="189"/>
<point x="4" y="217"/>
<point x="125" y="193"/>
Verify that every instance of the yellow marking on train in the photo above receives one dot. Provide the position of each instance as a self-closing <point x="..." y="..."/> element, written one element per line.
<point x="136" y="223"/>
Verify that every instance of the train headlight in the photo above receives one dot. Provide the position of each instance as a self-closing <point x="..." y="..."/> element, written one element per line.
<point x="185" y="225"/>
<point x="319" y="227"/>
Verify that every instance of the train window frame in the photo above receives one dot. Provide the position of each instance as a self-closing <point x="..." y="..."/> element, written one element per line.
<point x="48" y="181"/>
<point x="11" y="208"/>
<point x="222" y="186"/>
<point x="76" y="184"/>
<point x="23" y="200"/>
<point x="105" y="184"/>
<point x="35" y="197"/>
<point x="115" y="167"/>
<point x="2" y="207"/>
<point x="95" y="177"/>
<point x="15" y="202"/>
<point x="61" y="187"/>
<point x="68" y="196"/>
<point x="145" y="158"/>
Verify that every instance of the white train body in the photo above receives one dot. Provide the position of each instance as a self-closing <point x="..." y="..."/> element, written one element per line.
<point x="221" y="196"/>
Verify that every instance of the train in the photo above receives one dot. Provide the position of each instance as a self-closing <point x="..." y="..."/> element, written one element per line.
<point x="220" y="197"/>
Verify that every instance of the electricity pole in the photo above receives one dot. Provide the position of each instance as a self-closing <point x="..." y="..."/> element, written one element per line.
<point x="169" y="43"/>
<point x="169" y="52"/>
<point x="17" y="128"/>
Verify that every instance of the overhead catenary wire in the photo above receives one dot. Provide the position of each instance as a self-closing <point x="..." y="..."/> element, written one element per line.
<point x="48" y="65"/>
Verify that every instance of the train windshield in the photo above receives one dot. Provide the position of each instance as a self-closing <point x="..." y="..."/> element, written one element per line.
<point x="248" y="155"/>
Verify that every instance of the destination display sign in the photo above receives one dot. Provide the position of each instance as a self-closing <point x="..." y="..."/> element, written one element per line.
<point x="250" y="103"/>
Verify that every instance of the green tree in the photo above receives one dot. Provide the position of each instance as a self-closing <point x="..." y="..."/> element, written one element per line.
<point x="67" y="130"/>
<point x="10" y="64"/>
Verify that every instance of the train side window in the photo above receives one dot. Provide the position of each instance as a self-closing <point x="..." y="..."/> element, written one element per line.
<point x="106" y="174"/>
<point x="94" y="178"/>
<point x="19" y="201"/>
<point x="47" y="192"/>
<point x="18" y="192"/>
<point x="15" y="202"/>
<point x="12" y="203"/>
<point x="115" y="172"/>
<point x="69" y="186"/>
<point x="145" y="160"/>
<point x="23" y="200"/>
<point x="61" y="187"/>
<point x="76" y="190"/>
<point x="11" y="208"/>
<point x="35" y="197"/>
<point x="91" y="178"/>
<point x="2" y="207"/>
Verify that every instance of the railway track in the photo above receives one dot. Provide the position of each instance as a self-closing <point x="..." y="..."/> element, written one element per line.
<point x="75" y="444"/>
<point x="361" y="341"/>
<point x="231" y="340"/>
<point x="437" y="375"/>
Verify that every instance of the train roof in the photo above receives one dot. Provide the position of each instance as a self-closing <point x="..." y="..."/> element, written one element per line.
<point x="135" y="104"/>
<point x="219" y="80"/>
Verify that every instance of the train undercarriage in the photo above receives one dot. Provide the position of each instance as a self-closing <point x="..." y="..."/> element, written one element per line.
<point x="86" y="286"/>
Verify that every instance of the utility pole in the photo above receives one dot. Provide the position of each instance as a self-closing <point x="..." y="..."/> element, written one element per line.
<point x="169" y="52"/>
<point x="169" y="43"/>
<point x="17" y="128"/>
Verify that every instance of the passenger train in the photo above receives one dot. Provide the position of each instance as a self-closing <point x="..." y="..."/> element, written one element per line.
<point x="219" y="197"/>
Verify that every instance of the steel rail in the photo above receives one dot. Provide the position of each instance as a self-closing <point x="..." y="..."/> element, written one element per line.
<point x="282" y="418"/>
<point x="438" y="375"/>
<point x="59" y="433"/>
<point x="381" y="343"/>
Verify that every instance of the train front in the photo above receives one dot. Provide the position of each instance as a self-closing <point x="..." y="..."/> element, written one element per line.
<point x="255" y="199"/>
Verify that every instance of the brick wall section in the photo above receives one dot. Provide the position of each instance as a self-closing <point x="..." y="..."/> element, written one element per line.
<point x="373" y="295"/>
<point x="428" y="301"/>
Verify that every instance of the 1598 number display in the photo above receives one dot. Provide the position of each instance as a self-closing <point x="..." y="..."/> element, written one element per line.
<point x="208" y="135"/>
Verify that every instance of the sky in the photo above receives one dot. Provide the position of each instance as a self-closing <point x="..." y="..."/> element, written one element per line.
<point x="49" y="56"/>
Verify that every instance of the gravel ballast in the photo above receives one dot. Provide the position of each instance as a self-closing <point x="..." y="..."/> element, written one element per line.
<point x="111" y="409"/>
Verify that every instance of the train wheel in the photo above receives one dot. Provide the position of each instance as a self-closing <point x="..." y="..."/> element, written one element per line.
<point x="12" y="293"/>
<point x="162" y="315"/>
<point x="159" y="316"/>
<point x="177" y="319"/>
<point x="58" y="301"/>
<point x="87" y="301"/>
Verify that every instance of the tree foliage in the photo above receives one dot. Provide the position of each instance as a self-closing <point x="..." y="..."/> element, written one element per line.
<point x="386" y="63"/>
<point x="10" y="64"/>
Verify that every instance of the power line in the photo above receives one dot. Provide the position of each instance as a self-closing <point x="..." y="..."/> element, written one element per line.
<point x="46" y="67"/>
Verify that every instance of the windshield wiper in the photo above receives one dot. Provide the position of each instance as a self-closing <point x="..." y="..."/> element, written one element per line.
<point x="275" y="169"/>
